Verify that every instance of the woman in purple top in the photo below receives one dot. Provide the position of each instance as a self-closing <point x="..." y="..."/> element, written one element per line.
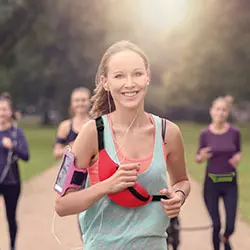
<point x="13" y="146"/>
<point x="220" y="147"/>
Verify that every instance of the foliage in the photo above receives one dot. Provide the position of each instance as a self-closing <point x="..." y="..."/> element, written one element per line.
<point x="49" y="47"/>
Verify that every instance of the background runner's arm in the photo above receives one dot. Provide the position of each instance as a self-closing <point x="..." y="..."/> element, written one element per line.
<point x="176" y="159"/>
<point x="21" y="149"/>
<point x="202" y="144"/>
<point x="237" y="156"/>
<point x="62" y="133"/>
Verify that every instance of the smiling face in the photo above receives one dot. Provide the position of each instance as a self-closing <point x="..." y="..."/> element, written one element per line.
<point x="219" y="111"/>
<point x="5" y="111"/>
<point x="80" y="102"/>
<point x="127" y="79"/>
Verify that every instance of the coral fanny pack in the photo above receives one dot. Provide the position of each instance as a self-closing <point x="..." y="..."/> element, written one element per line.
<point x="135" y="196"/>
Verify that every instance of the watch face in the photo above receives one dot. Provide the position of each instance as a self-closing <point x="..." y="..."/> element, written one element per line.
<point x="63" y="172"/>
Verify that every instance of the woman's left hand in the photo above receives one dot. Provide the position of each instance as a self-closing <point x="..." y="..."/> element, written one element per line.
<point x="172" y="205"/>
<point x="234" y="161"/>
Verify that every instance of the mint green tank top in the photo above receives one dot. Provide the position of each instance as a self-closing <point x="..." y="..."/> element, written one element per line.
<point x="109" y="226"/>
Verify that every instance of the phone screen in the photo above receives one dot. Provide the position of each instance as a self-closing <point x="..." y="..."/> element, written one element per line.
<point x="62" y="175"/>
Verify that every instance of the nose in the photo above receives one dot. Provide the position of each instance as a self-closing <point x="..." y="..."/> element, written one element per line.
<point x="129" y="83"/>
<point x="220" y="112"/>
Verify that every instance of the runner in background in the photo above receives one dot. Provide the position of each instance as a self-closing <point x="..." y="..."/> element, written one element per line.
<point x="69" y="129"/>
<point x="220" y="147"/>
<point x="13" y="146"/>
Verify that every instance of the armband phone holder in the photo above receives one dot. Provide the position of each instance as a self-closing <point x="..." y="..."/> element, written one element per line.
<point x="69" y="176"/>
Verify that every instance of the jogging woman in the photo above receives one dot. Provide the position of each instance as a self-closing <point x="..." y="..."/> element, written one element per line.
<point x="220" y="147"/>
<point x="127" y="137"/>
<point x="13" y="146"/>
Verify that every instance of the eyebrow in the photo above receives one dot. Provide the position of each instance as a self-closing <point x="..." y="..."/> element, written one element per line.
<point x="116" y="72"/>
<point x="138" y="69"/>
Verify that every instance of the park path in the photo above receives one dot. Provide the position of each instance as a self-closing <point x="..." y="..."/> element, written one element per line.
<point x="36" y="210"/>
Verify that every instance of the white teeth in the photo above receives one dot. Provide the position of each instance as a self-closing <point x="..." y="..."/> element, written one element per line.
<point x="130" y="94"/>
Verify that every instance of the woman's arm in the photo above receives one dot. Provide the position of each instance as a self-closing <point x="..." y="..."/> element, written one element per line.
<point x="176" y="159"/>
<point x="62" y="133"/>
<point x="85" y="149"/>
<point x="21" y="150"/>
<point x="235" y="160"/>
<point x="177" y="172"/>
<point x="203" y="152"/>
<point x="76" y="202"/>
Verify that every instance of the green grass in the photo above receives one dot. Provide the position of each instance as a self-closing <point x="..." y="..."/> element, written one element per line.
<point x="191" y="132"/>
<point x="40" y="140"/>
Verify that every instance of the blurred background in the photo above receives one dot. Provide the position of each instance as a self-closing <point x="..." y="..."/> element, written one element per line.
<point x="198" y="51"/>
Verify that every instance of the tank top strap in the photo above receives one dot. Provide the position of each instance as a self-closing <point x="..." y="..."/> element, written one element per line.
<point x="159" y="140"/>
<point x="71" y="134"/>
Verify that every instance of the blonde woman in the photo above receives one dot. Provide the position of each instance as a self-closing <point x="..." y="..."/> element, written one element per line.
<point x="133" y="140"/>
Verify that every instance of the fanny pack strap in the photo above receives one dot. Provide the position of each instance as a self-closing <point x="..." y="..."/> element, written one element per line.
<point x="163" y="129"/>
<point x="100" y="131"/>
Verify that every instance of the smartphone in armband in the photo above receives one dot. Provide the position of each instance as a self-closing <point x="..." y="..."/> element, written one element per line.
<point x="69" y="176"/>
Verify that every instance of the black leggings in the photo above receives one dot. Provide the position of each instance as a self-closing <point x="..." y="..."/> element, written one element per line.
<point x="228" y="191"/>
<point x="11" y="194"/>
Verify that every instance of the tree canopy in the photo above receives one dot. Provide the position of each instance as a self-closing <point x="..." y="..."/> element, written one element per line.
<point x="49" y="47"/>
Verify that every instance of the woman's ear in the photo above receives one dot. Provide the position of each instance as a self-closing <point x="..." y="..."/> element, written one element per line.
<point x="104" y="82"/>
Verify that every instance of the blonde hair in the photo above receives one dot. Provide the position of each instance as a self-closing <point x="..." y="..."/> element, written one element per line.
<point x="102" y="100"/>
<point x="228" y="99"/>
<point x="79" y="89"/>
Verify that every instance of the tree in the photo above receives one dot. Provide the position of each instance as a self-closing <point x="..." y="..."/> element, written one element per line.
<point x="58" y="52"/>
<point x="215" y="60"/>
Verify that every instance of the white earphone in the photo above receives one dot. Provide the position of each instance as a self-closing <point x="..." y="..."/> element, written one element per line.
<point x="106" y="86"/>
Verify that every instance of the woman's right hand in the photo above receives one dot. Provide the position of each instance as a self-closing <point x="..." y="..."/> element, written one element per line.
<point x="124" y="177"/>
<point x="7" y="143"/>
<point x="205" y="154"/>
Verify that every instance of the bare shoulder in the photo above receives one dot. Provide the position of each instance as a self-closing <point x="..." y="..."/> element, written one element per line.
<point x="89" y="129"/>
<point x="174" y="144"/>
<point x="85" y="146"/>
<point x="172" y="126"/>
<point x="63" y="128"/>
<point x="172" y="131"/>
